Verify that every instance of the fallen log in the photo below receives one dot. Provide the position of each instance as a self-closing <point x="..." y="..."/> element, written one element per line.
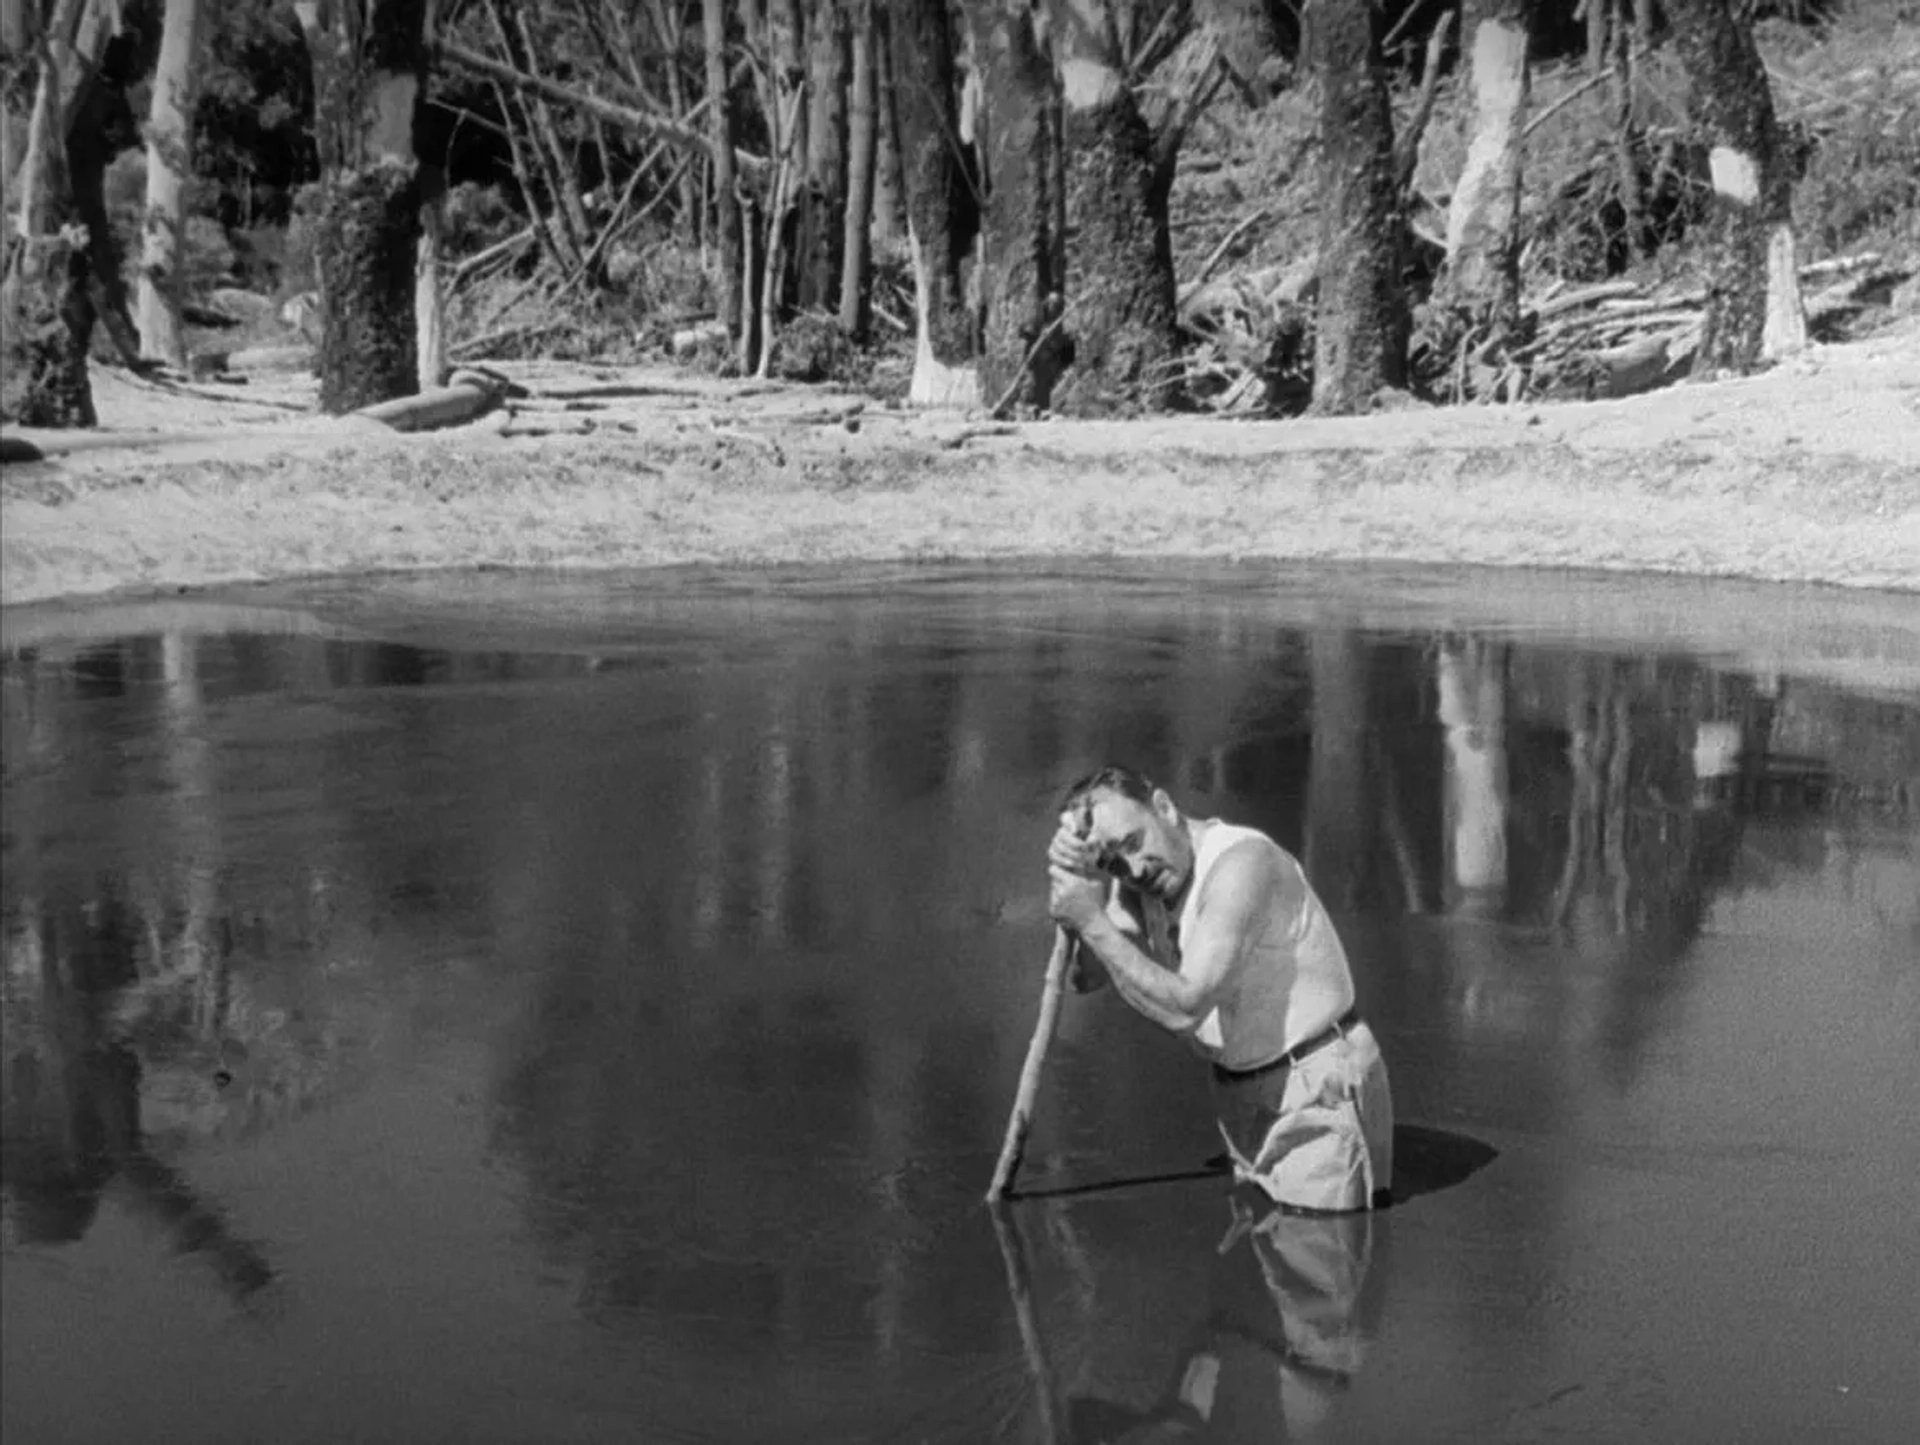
<point x="468" y="396"/>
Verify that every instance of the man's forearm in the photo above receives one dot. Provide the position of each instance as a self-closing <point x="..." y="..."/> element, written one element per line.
<point x="1153" y="990"/>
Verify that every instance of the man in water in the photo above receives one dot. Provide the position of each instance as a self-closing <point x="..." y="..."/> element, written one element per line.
<point x="1212" y="931"/>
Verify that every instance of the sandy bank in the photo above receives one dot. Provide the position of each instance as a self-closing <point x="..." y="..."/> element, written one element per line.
<point x="1809" y="473"/>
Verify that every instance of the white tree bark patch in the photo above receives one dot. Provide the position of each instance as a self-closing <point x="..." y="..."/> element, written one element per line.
<point x="1736" y="175"/>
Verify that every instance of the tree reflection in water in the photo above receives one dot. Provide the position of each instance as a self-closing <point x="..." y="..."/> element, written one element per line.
<point x="73" y="1134"/>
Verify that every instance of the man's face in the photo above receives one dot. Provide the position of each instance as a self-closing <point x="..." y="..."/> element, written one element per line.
<point x="1144" y="845"/>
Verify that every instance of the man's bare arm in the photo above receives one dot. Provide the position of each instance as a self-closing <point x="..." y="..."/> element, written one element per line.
<point x="1238" y="892"/>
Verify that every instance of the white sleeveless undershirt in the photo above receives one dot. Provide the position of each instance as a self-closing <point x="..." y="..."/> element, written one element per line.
<point x="1293" y="980"/>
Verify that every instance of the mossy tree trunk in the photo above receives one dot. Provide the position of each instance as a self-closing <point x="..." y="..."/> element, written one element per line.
<point x="726" y="202"/>
<point x="1120" y="307"/>
<point x="1020" y="356"/>
<point x="942" y="209"/>
<point x="46" y="313"/>
<point x="1754" y="310"/>
<point x="1483" y="219"/>
<point x="1360" y="346"/>
<point x="370" y="64"/>
<point x="823" y="201"/>
<point x="169" y="141"/>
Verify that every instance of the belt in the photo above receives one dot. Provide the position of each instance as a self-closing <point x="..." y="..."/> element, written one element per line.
<point x="1338" y="1029"/>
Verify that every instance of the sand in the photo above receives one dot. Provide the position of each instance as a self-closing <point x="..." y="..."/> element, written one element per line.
<point x="1807" y="473"/>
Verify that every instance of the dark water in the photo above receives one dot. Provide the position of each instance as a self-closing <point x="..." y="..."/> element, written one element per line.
<point x="507" y="1011"/>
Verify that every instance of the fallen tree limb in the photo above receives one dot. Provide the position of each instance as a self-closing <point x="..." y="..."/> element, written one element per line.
<point x="468" y="396"/>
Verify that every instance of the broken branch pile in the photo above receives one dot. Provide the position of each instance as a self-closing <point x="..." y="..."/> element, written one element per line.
<point x="1619" y="338"/>
<point x="1253" y="341"/>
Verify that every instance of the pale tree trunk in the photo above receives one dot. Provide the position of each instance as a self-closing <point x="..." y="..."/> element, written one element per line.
<point x="942" y="213"/>
<point x="822" y="219"/>
<point x="1120" y="310"/>
<point x="1483" y="218"/>
<point x="370" y="61"/>
<point x="862" y="135"/>
<point x="1596" y="17"/>
<point x="1754" y="311"/>
<point x="1473" y="714"/>
<point x="169" y="158"/>
<point x="1360" y="345"/>
<point x="1020" y="354"/>
<point x="788" y="122"/>
<point x="46" y="314"/>
<point x="429" y="294"/>
<point x="726" y="203"/>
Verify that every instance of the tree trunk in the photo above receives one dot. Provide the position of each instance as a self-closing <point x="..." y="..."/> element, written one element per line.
<point x="1753" y="288"/>
<point x="1361" y="341"/>
<point x="726" y="202"/>
<point x="46" y="314"/>
<point x="93" y="88"/>
<point x="1019" y="358"/>
<point x="369" y="72"/>
<point x="1596" y="16"/>
<point x="889" y="189"/>
<point x="862" y="134"/>
<point x="669" y="24"/>
<point x="1120" y="311"/>
<point x="787" y="56"/>
<point x="1483" y="219"/>
<point x="429" y="297"/>
<point x="823" y="202"/>
<point x="1626" y="147"/>
<point x="942" y="212"/>
<point x="169" y="142"/>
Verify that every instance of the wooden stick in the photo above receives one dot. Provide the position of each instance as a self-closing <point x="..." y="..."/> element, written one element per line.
<point x="1021" y="1119"/>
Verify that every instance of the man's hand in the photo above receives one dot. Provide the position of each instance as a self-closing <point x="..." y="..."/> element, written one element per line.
<point x="1077" y="892"/>
<point x="1075" y="900"/>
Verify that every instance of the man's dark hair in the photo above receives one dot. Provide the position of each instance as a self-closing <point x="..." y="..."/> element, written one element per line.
<point x="1113" y="778"/>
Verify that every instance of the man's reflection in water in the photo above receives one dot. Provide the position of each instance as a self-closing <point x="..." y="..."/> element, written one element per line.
<point x="70" y="1132"/>
<point x="1282" y="1342"/>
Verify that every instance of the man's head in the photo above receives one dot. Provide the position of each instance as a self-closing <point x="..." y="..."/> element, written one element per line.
<point x="1140" y="834"/>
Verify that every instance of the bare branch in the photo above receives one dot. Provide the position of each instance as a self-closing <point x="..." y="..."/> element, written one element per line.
<point x="676" y="133"/>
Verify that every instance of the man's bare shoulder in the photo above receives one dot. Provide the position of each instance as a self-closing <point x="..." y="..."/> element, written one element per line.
<point x="1250" y="867"/>
<point x="1252" y="874"/>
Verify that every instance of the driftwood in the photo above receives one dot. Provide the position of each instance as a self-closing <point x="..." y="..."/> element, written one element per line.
<point x="467" y="396"/>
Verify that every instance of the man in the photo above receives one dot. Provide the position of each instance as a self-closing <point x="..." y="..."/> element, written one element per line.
<point x="1212" y="932"/>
